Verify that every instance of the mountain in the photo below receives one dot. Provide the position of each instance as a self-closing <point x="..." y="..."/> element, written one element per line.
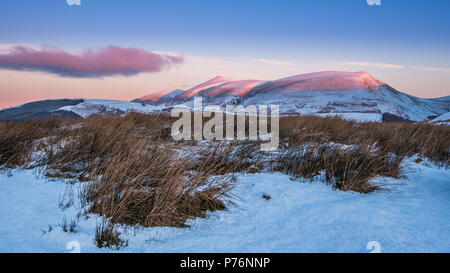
<point x="40" y="110"/>
<point x="232" y="88"/>
<point x="350" y="95"/>
<point x="90" y="107"/>
<point x="320" y="81"/>
<point x="71" y="108"/>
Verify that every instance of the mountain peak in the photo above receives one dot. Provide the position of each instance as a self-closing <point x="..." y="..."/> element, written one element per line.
<point x="317" y="81"/>
<point x="234" y="88"/>
<point x="203" y="86"/>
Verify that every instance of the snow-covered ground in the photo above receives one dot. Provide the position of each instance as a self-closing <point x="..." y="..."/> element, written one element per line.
<point x="361" y="117"/>
<point x="411" y="215"/>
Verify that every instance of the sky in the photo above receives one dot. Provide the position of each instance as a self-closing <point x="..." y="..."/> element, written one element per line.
<point x="124" y="49"/>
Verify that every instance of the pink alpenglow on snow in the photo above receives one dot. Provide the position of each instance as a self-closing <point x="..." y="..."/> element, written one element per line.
<point x="319" y="81"/>
<point x="202" y="87"/>
<point x="328" y="80"/>
<point x="108" y="61"/>
<point x="235" y="88"/>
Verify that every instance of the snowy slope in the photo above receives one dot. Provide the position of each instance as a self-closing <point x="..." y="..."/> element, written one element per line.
<point x="217" y="81"/>
<point x="93" y="107"/>
<point x="73" y="108"/>
<point x="327" y="80"/>
<point x="412" y="216"/>
<point x="233" y="88"/>
<point x="40" y="109"/>
<point x="442" y="119"/>
<point x="352" y="95"/>
<point x="362" y="102"/>
<point x="355" y="94"/>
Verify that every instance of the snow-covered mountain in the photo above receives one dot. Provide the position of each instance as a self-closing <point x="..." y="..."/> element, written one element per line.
<point x="90" y="107"/>
<point x="351" y="95"/>
<point x="72" y="108"/>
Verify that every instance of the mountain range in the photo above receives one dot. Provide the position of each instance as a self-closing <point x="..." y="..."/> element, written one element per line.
<point x="351" y="95"/>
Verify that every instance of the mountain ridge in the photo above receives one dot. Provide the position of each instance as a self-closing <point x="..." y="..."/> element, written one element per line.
<point x="321" y="93"/>
<point x="325" y="80"/>
<point x="351" y="95"/>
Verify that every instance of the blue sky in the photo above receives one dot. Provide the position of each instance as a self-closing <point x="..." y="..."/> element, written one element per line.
<point x="315" y="34"/>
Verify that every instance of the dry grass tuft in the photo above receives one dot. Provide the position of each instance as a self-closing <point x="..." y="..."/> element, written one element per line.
<point x="145" y="185"/>
<point x="345" y="168"/>
<point x="402" y="139"/>
<point x="17" y="139"/>
<point x="107" y="236"/>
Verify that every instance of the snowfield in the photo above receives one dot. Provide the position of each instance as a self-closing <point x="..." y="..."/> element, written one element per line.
<point x="411" y="215"/>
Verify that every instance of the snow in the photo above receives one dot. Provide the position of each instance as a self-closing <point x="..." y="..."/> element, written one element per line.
<point x="411" y="215"/>
<point x="353" y="95"/>
<point x="442" y="119"/>
<point x="94" y="106"/>
<point x="350" y="101"/>
<point x="28" y="206"/>
<point x="360" y="117"/>
<point x="203" y="86"/>
<point x="328" y="80"/>
<point x="234" y="88"/>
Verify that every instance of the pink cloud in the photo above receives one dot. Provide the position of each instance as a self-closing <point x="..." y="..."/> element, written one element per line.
<point x="108" y="61"/>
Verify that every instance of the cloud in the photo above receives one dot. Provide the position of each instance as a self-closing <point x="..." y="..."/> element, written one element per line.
<point x="7" y="48"/>
<point x="433" y="69"/>
<point x="272" y="62"/>
<point x="108" y="61"/>
<point x="379" y="65"/>
<point x="397" y="66"/>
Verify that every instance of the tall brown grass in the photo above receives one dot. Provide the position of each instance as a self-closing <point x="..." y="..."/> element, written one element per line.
<point x="137" y="175"/>
<point x="17" y="139"/>
<point x="345" y="168"/>
<point x="402" y="139"/>
<point x="145" y="185"/>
